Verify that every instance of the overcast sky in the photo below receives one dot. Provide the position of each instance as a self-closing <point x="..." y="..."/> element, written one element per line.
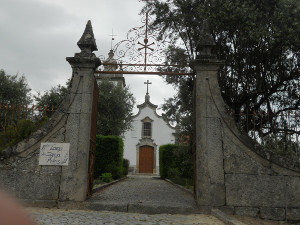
<point x="36" y="36"/>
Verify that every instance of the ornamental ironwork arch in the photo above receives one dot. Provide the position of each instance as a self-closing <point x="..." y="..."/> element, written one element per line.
<point x="141" y="53"/>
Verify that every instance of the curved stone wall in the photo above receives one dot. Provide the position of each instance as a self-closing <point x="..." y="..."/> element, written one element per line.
<point x="234" y="173"/>
<point x="256" y="185"/>
<point x="20" y="172"/>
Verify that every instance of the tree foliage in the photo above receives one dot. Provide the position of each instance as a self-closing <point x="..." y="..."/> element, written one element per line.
<point x="259" y="41"/>
<point x="14" y="89"/>
<point x="17" y="133"/>
<point x="179" y="108"/>
<point x="53" y="97"/>
<point x="115" y="106"/>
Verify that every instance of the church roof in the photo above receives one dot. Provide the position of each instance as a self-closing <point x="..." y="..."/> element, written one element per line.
<point x="147" y="103"/>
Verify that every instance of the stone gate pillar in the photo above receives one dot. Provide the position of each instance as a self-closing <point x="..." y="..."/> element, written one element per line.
<point x="210" y="188"/>
<point x="74" y="177"/>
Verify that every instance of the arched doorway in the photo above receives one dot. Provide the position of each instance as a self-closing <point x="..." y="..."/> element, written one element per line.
<point x="146" y="159"/>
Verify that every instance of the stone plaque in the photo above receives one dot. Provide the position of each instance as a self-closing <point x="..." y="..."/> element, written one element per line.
<point x="54" y="154"/>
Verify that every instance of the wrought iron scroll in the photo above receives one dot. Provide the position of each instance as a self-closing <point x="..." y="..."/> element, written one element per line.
<point x="141" y="53"/>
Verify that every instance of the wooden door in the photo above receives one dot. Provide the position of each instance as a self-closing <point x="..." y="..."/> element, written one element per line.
<point x="146" y="159"/>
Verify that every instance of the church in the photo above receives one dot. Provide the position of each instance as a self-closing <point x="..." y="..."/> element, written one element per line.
<point x="149" y="131"/>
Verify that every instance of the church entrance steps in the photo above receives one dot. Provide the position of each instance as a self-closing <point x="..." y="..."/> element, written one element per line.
<point x="143" y="194"/>
<point x="144" y="175"/>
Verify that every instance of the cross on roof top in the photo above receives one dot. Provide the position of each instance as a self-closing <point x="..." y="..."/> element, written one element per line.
<point x="147" y="85"/>
<point x="112" y="37"/>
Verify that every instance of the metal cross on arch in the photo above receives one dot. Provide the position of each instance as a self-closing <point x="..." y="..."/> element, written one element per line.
<point x="146" y="45"/>
<point x="147" y="85"/>
<point x="141" y="53"/>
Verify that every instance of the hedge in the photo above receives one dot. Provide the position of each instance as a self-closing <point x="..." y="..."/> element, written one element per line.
<point x="125" y="166"/>
<point x="166" y="159"/>
<point x="175" y="161"/>
<point x="109" y="156"/>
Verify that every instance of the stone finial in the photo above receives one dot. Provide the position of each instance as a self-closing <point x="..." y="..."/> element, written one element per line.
<point x="147" y="98"/>
<point x="111" y="54"/>
<point x="206" y="42"/>
<point x="86" y="58"/>
<point x="87" y="41"/>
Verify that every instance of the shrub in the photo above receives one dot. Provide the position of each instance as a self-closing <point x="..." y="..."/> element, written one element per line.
<point x="173" y="173"/>
<point x="24" y="129"/>
<point x="106" y="177"/>
<point x="109" y="156"/>
<point x="176" y="164"/>
<point x="115" y="170"/>
<point x="98" y="181"/>
<point x="15" y="134"/>
<point x="125" y="166"/>
<point x="184" y="161"/>
<point x="166" y="159"/>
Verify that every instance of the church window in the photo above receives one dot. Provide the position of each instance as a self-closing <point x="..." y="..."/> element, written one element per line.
<point x="147" y="129"/>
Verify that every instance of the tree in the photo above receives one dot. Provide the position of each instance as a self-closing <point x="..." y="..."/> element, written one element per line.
<point x="14" y="89"/>
<point x="53" y="97"/>
<point x="14" y="92"/>
<point x="179" y="108"/>
<point x="259" y="41"/>
<point x="115" y="106"/>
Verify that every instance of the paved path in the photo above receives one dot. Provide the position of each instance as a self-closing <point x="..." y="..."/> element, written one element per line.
<point x="84" y="217"/>
<point x="144" y="194"/>
<point x="134" y="196"/>
<point x="131" y="198"/>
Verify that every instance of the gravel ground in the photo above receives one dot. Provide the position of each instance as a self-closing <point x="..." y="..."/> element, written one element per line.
<point x="85" y="217"/>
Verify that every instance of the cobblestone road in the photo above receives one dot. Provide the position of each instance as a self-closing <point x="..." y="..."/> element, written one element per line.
<point x="132" y="198"/>
<point x="147" y="195"/>
<point x="84" y="217"/>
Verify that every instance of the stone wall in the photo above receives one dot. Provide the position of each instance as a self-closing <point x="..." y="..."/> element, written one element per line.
<point x="20" y="172"/>
<point x="255" y="185"/>
<point x="232" y="172"/>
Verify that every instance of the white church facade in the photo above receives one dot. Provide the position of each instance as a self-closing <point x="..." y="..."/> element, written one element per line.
<point x="149" y="131"/>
